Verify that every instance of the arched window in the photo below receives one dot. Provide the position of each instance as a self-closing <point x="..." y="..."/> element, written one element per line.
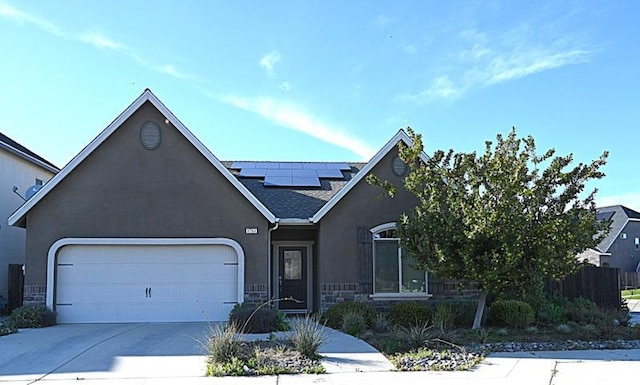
<point x="393" y="271"/>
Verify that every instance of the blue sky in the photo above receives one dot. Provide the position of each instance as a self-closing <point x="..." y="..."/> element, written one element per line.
<point x="332" y="80"/>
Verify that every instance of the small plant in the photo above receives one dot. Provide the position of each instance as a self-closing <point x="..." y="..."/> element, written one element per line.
<point x="222" y="344"/>
<point x="552" y="313"/>
<point x="502" y="332"/>
<point x="32" y="316"/>
<point x="583" y="311"/>
<point x="250" y="318"/>
<point x="418" y="335"/>
<point x="307" y="336"/>
<point x="483" y="335"/>
<point x="333" y="317"/>
<point x="406" y="314"/>
<point x="353" y="323"/>
<point x="7" y="328"/>
<point x="444" y="317"/>
<point x="513" y="313"/>
<point x="381" y="323"/>
<point x="564" y="329"/>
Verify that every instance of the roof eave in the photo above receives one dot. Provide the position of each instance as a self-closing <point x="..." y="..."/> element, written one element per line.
<point x="28" y="158"/>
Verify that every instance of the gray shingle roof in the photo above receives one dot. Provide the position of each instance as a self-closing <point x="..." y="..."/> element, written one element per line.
<point x="619" y="219"/>
<point x="295" y="202"/>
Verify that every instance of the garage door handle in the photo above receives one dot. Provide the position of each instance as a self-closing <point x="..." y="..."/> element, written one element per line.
<point x="149" y="292"/>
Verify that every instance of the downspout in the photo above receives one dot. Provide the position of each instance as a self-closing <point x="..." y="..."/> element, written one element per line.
<point x="272" y="229"/>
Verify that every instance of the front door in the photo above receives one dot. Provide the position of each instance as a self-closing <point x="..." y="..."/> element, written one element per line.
<point x="293" y="278"/>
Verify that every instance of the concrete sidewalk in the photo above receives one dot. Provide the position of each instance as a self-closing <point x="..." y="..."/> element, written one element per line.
<point x="124" y="354"/>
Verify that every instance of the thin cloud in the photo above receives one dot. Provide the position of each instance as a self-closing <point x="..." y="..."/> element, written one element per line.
<point x="94" y="39"/>
<point x="285" y="86"/>
<point x="13" y="13"/>
<point x="517" y="65"/>
<point x="441" y="89"/>
<point x="100" y="41"/>
<point x="269" y="60"/>
<point x="487" y="61"/>
<point x="289" y="115"/>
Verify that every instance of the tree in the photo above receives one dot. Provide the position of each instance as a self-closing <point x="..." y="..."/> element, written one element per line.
<point x="504" y="219"/>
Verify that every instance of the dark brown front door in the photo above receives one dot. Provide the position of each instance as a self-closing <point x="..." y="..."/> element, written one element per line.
<point x="292" y="277"/>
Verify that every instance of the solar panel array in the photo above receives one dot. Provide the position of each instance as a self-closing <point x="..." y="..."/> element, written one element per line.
<point x="291" y="174"/>
<point x="605" y="216"/>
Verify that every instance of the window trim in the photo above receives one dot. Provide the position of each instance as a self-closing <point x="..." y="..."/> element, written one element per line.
<point x="399" y="295"/>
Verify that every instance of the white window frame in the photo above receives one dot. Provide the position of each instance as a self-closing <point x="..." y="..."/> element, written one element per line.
<point x="399" y="295"/>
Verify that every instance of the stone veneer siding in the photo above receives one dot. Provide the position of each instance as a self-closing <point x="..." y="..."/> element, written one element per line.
<point x="255" y="293"/>
<point x="35" y="295"/>
<point x="333" y="293"/>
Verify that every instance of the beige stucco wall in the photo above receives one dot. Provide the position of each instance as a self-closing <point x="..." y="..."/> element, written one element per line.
<point x="124" y="190"/>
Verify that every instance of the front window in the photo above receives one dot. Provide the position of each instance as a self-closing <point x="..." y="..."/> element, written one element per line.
<point x="394" y="272"/>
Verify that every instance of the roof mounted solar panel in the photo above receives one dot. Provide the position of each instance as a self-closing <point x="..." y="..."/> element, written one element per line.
<point x="304" y="173"/>
<point x="242" y="165"/>
<point x="604" y="216"/>
<point x="338" y="166"/>
<point x="300" y="181"/>
<point x="284" y="173"/>
<point x="290" y="165"/>
<point x="268" y="165"/>
<point x="330" y="173"/>
<point x="253" y="172"/>
<point x="314" y="166"/>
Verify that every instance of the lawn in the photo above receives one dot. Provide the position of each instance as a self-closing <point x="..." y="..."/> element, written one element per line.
<point x="631" y="294"/>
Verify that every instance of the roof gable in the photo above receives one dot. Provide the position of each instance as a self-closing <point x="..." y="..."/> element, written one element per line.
<point x="619" y="219"/>
<point x="18" y="218"/>
<point x="401" y="136"/>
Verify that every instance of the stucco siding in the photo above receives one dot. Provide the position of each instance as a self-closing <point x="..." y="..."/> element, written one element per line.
<point x="365" y="206"/>
<point x="123" y="190"/>
<point x="14" y="171"/>
<point x="623" y="252"/>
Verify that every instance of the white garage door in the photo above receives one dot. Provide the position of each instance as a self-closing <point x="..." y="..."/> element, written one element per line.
<point x="145" y="283"/>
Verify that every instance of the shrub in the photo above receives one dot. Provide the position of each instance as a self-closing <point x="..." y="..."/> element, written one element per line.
<point x="307" y="336"/>
<point x="583" y="311"/>
<point x="333" y="317"/>
<point x="222" y="344"/>
<point x="7" y="328"/>
<point x="513" y="313"/>
<point x="406" y="314"/>
<point x="32" y="316"/>
<point x="552" y="313"/>
<point x="417" y="336"/>
<point x="353" y="323"/>
<point x="465" y="312"/>
<point x="444" y="317"/>
<point x="250" y="318"/>
<point x="381" y="323"/>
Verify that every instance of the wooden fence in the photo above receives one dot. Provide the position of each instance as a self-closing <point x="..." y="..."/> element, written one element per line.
<point x="599" y="284"/>
<point x="630" y="280"/>
<point x="16" y="287"/>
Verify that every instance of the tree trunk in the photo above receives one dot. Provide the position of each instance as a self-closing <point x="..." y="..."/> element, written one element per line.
<point x="479" y="311"/>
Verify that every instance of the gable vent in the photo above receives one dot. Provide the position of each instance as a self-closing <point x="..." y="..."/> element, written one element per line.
<point x="150" y="135"/>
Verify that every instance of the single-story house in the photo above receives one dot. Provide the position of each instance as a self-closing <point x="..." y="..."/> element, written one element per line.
<point x="621" y="247"/>
<point x="22" y="172"/>
<point x="146" y="224"/>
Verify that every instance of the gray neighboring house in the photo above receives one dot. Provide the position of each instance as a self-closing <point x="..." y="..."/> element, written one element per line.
<point x="621" y="246"/>
<point x="21" y="171"/>
<point x="145" y="224"/>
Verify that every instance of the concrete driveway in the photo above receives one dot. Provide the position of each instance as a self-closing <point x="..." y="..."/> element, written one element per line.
<point x="104" y="351"/>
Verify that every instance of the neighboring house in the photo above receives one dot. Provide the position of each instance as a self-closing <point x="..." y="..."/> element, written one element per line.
<point x="20" y="169"/>
<point x="621" y="247"/>
<point x="146" y="224"/>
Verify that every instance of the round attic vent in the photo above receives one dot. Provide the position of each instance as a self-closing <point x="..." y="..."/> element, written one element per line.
<point x="150" y="135"/>
<point x="398" y="167"/>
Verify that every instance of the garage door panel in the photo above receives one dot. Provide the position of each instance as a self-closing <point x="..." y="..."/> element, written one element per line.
<point x="138" y="283"/>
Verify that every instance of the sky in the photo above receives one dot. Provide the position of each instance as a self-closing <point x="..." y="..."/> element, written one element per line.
<point x="332" y="80"/>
